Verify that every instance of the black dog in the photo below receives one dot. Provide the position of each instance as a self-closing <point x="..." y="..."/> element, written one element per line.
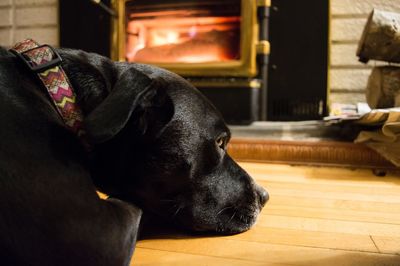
<point x="157" y="144"/>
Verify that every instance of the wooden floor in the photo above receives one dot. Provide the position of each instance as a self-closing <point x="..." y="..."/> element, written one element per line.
<point x="315" y="216"/>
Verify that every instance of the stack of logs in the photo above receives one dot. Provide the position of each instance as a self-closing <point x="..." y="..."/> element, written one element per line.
<point x="381" y="41"/>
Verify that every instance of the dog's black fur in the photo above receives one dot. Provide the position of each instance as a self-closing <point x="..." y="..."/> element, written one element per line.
<point x="157" y="144"/>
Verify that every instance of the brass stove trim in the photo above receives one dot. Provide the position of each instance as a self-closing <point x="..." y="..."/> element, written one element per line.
<point x="236" y="83"/>
<point x="245" y="67"/>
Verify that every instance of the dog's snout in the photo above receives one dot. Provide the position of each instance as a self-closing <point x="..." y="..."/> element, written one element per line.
<point x="262" y="194"/>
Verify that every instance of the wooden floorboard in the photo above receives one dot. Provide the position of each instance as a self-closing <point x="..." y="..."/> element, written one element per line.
<point x="315" y="216"/>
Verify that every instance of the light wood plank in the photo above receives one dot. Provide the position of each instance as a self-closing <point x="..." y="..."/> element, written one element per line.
<point x="332" y="226"/>
<point x="319" y="175"/>
<point x="312" y="239"/>
<point x="330" y="193"/>
<point x="334" y="204"/>
<point x="388" y="244"/>
<point x="144" y="256"/>
<point x="391" y="190"/>
<point x="266" y="253"/>
<point x="333" y="214"/>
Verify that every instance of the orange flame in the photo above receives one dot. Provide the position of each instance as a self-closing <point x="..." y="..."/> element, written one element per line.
<point x="189" y="40"/>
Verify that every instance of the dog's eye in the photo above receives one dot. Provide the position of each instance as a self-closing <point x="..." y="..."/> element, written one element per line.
<point x="221" y="142"/>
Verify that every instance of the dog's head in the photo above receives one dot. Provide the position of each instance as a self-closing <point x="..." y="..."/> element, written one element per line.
<point x="162" y="145"/>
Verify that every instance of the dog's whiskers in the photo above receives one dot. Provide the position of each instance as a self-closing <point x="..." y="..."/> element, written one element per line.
<point x="177" y="211"/>
<point x="232" y="217"/>
<point x="224" y="209"/>
<point x="168" y="200"/>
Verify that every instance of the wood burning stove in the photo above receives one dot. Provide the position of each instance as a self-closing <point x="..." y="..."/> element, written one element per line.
<point x="220" y="46"/>
<point x="192" y="38"/>
<point x="214" y="44"/>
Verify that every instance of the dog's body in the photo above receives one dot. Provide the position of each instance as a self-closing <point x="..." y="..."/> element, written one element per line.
<point x="157" y="143"/>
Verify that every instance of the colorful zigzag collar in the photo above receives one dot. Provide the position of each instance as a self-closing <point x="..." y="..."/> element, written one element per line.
<point x="46" y="63"/>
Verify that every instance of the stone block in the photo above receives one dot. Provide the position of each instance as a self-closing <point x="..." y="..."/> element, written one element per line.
<point x="5" y="3"/>
<point x="359" y="7"/>
<point x="349" y="80"/>
<point x="5" y="17"/>
<point x="32" y="16"/>
<point x="34" y="2"/>
<point x="48" y="35"/>
<point x="5" y="37"/>
<point x="347" y="29"/>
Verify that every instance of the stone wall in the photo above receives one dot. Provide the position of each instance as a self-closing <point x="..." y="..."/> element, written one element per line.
<point x="21" y="19"/>
<point x="348" y="77"/>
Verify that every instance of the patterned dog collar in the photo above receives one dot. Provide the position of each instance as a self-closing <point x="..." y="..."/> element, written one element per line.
<point x="46" y="63"/>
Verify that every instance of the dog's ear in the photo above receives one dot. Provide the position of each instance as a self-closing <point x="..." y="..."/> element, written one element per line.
<point x="133" y="92"/>
<point x="154" y="111"/>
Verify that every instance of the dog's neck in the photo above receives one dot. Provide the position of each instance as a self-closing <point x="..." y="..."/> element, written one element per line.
<point x="92" y="77"/>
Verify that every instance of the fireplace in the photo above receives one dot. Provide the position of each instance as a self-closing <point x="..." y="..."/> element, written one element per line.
<point x="220" y="46"/>
<point x="191" y="38"/>
<point x="182" y="36"/>
<point x="212" y="43"/>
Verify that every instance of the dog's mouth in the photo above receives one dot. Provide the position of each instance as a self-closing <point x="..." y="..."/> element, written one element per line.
<point x="203" y="216"/>
<point x="226" y="221"/>
<point x="233" y="220"/>
<point x="230" y="219"/>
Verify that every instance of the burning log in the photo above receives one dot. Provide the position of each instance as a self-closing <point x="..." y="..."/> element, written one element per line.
<point x="383" y="89"/>
<point x="212" y="46"/>
<point x="381" y="37"/>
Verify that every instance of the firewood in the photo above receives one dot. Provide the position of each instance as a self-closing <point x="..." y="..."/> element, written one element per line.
<point x="381" y="37"/>
<point x="383" y="89"/>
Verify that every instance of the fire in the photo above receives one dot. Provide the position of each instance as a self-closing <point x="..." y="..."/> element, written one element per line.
<point x="200" y="58"/>
<point x="188" y="40"/>
<point x="166" y="36"/>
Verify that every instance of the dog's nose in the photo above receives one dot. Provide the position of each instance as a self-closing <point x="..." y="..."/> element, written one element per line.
<point x="262" y="194"/>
